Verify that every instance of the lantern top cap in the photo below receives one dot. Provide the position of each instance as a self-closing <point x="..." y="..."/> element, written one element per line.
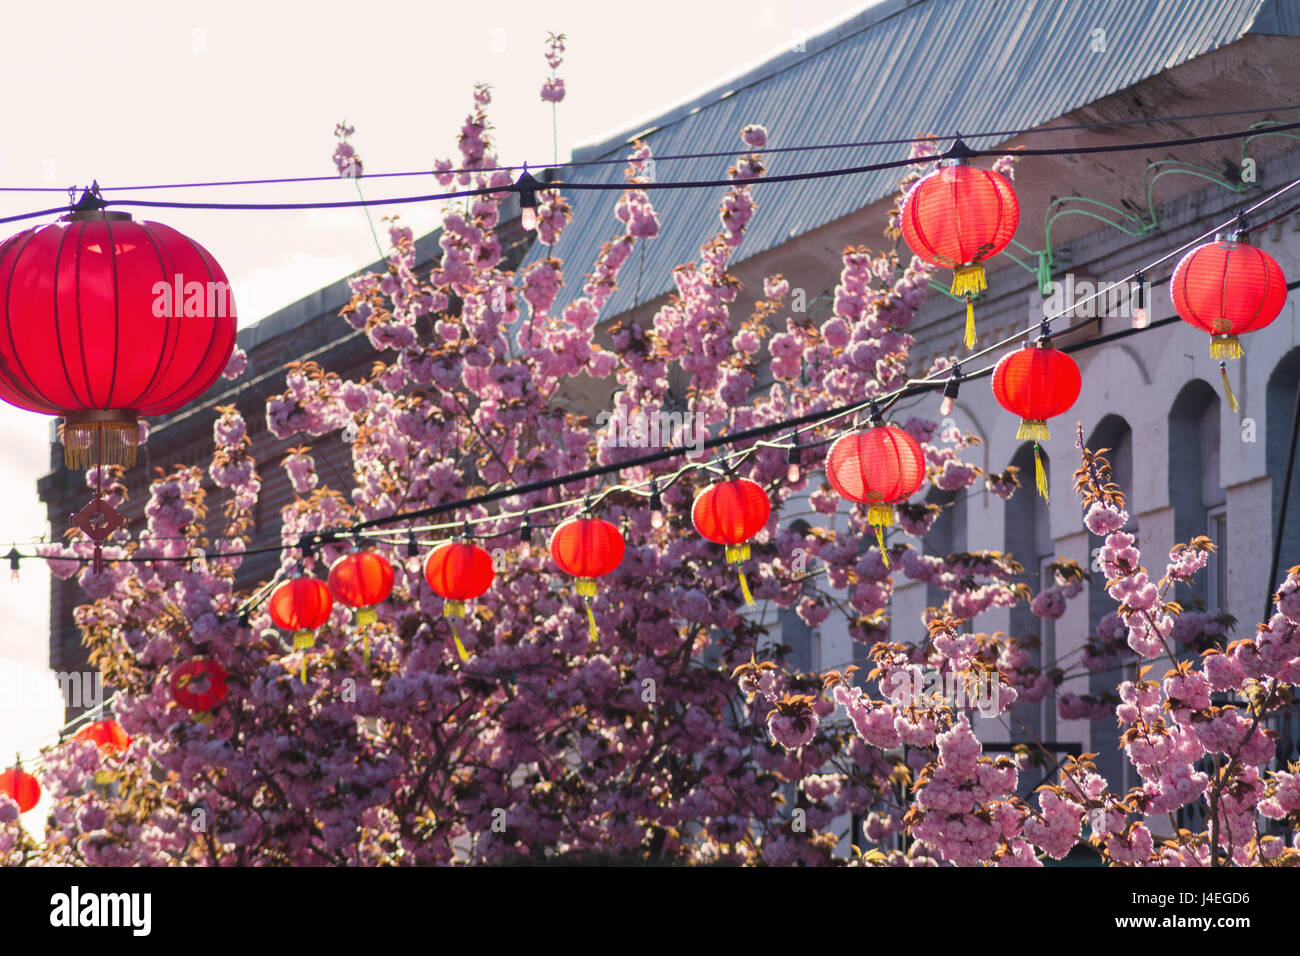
<point x="92" y="205"/>
<point x="958" y="153"/>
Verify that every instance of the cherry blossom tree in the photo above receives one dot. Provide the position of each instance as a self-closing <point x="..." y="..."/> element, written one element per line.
<point x="681" y="733"/>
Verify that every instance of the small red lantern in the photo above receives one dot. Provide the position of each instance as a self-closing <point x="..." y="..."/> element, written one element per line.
<point x="110" y="738"/>
<point x="1227" y="288"/>
<point x="301" y="604"/>
<point x="107" y="735"/>
<point x="957" y="217"/>
<point x="458" y="571"/>
<point x="105" y="319"/>
<point x="1036" y="382"/>
<point x="730" y="513"/>
<point x="199" y="685"/>
<point x="23" y="788"/>
<point x="877" y="467"/>
<point x="587" y="548"/>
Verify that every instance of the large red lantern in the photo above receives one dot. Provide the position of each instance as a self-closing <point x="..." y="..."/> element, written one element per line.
<point x="102" y="320"/>
<point x="730" y="513"/>
<point x="458" y="571"/>
<point x="957" y="217"/>
<point x="877" y="467"/>
<point x="587" y="548"/>
<point x="199" y="685"/>
<point x="1036" y="382"/>
<point x="1227" y="288"/>
<point x="23" y="788"/>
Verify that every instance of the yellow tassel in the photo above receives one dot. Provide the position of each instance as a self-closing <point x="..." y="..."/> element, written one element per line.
<point x="591" y="624"/>
<point x="303" y="640"/>
<point x="455" y="636"/>
<point x="970" y="323"/>
<point x="365" y="650"/>
<point x="880" y="540"/>
<point x="1040" y="476"/>
<point x="744" y="590"/>
<point x="453" y="609"/>
<point x="304" y="667"/>
<point x="1033" y="429"/>
<point x="968" y="280"/>
<point x="104" y="777"/>
<point x="1225" y="347"/>
<point x="586" y="587"/>
<point x="204" y="718"/>
<point x="879" y="513"/>
<point x="366" y="615"/>
<point x="1227" y="389"/>
<point x="738" y="552"/>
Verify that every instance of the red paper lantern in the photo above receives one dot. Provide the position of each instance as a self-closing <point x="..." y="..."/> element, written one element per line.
<point x="199" y="685"/>
<point x="730" y="513"/>
<point x="104" y="319"/>
<point x="877" y="467"/>
<point x="587" y="548"/>
<point x="1036" y="382"/>
<point x="361" y="579"/>
<point x="458" y="571"/>
<point x="301" y="604"/>
<point x="957" y="217"/>
<point x="23" y="788"/>
<point x="1227" y="288"/>
<point x="107" y="735"/>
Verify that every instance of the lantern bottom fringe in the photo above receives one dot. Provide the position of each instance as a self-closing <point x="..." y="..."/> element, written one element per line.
<point x="303" y="640"/>
<point x="1227" y="389"/>
<point x="366" y="615"/>
<point x="104" y="437"/>
<point x="1033" y="429"/>
<point x="455" y="636"/>
<point x="453" y="609"/>
<point x="591" y="624"/>
<point x="204" y="718"/>
<point x="968" y="280"/>
<point x="1225" y="347"/>
<point x="738" y="552"/>
<point x="586" y="587"/>
<point x="105" y="777"/>
<point x="1040" y="475"/>
<point x="881" y="516"/>
<point x="744" y="590"/>
<point x="970" y="324"/>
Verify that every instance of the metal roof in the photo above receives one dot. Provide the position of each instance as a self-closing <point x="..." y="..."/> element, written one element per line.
<point x="896" y="69"/>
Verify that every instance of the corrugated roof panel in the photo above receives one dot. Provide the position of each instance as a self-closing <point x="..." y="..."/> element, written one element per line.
<point x="895" y="70"/>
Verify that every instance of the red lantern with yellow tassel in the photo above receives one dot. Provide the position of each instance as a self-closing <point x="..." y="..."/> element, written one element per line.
<point x="458" y="572"/>
<point x="362" y="579"/>
<point x="878" y="467"/>
<point x="958" y="217"/>
<point x="1037" y="382"/>
<point x="1228" y="288"/>
<point x="301" y="605"/>
<point x="730" y="513"/>
<point x="587" y="548"/>
<point x="199" y="685"/>
<point x="110" y="738"/>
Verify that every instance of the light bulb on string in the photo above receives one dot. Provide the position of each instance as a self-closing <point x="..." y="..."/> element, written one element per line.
<point x="793" y="458"/>
<point x="13" y="557"/>
<point x="527" y="187"/>
<point x="656" y="506"/>
<point x="949" y="403"/>
<point x="526" y="537"/>
<point x="1140" y="318"/>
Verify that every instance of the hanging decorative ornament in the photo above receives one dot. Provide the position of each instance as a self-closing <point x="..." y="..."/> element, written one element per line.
<point x="362" y="579"/>
<point x="301" y="604"/>
<point x="730" y="513"/>
<point x="878" y="467"/>
<point x="587" y="548"/>
<point x="110" y="738"/>
<point x="21" y="787"/>
<point x="1227" y="288"/>
<point x="104" y="320"/>
<point x="1037" y="382"/>
<point x="958" y="217"/>
<point x="199" y="685"/>
<point x="458" y="571"/>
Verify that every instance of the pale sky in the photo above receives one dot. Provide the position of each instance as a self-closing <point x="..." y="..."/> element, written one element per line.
<point x="134" y="93"/>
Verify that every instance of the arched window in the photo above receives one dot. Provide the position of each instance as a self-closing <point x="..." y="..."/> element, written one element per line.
<point x="947" y="535"/>
<point x="1196" y="489"/>
<point x="1112" y="433"/>
<point x="1028" y="539"/>
<point x="1281" y="406"/>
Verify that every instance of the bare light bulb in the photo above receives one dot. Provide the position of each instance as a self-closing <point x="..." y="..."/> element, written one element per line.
<point x="528" y="218"/>
<point x="656" y="519"/>
<point x="947" y="405"/>
<point x="1140" y="320"/>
